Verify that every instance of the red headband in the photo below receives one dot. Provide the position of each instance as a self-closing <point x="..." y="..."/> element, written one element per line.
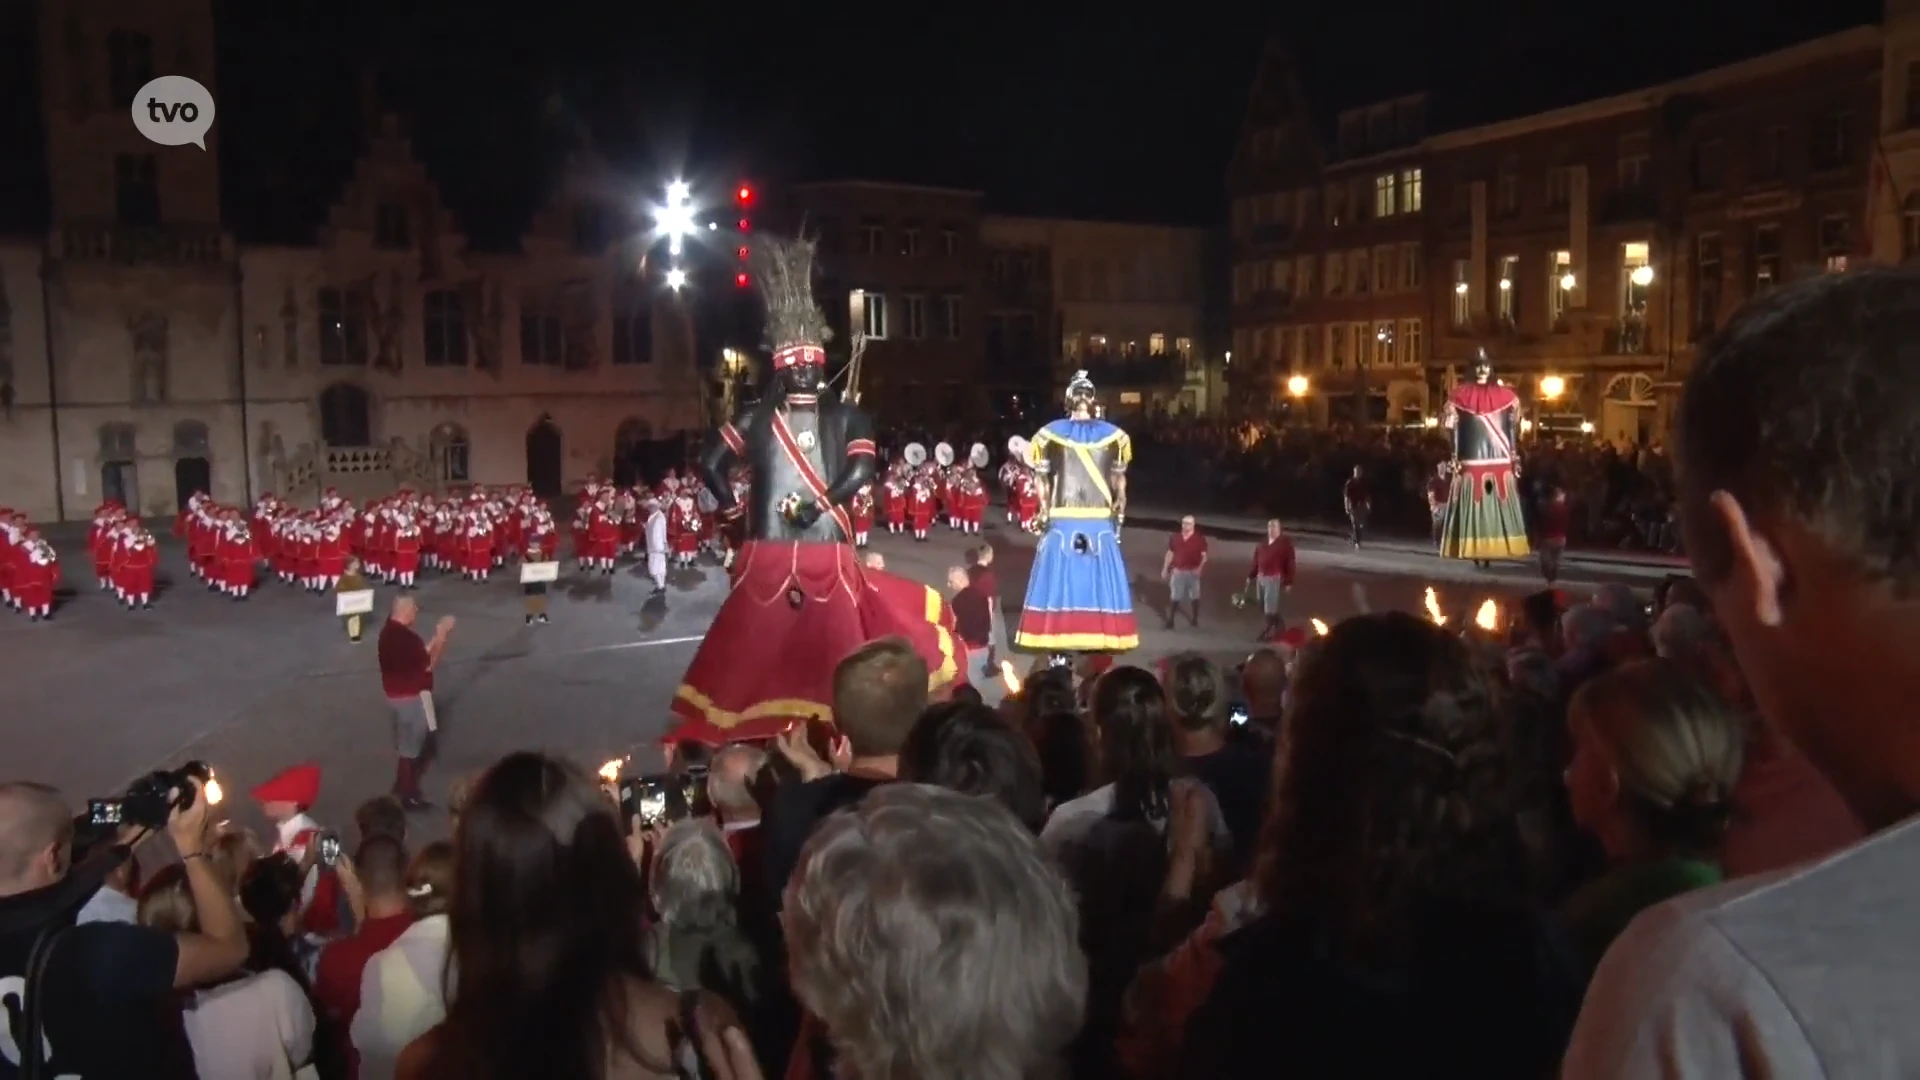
<point x="796" y="355"/>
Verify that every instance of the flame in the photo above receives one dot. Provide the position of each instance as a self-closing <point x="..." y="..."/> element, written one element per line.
<point x="1488" y="617"/>
<point x="610" y="772"/>
<point x="1007" y="676"/>
<point x="213" y="792"/>
<point x="1319" y="627"/>
<point x="1433" y="607"/>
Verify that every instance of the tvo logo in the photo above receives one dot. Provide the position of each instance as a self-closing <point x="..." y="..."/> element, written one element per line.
<point x="173" y="110"/>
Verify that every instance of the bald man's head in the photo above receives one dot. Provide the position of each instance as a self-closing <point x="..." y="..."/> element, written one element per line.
<point x="35" y="829"/>
<point x="1263" y="681"/>
<point x="730" y="780"/>
<point x="405" y="610"/>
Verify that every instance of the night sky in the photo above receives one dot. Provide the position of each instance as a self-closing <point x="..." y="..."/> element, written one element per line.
<point x="1128" y="118"/>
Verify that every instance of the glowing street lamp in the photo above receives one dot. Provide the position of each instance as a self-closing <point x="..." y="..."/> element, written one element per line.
<point x="675" y="219"/>
<point x="1552" y="386"/>
<point x="1297" y="386"/>
<point x="1641" y="276"/>
<point x="676" y="279"/>
<point x="1567" y="281"/>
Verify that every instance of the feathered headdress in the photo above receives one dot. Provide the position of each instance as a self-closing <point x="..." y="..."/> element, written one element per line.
<point x="784" y="271"/>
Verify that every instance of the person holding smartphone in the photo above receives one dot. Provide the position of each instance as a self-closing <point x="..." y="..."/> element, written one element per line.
<point x="105" y="978"/>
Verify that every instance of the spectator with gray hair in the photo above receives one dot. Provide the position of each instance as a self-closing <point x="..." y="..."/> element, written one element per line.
<point x="697" y="943"/>
<point x="932" y="938"/>
<point x="1679" y="633"/>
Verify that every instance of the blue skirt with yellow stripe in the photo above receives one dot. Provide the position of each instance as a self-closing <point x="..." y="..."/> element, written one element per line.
<point x="1079" y="598"/>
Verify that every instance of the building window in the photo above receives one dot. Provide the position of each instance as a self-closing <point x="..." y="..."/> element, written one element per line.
<point x="1384" y="343"/>
<point x="136" y="190"/>
<point x="1631" y="169"/>
<point x="1336" y="273"/>
<point x="916" y="313"/>
<point x="343" y="327"/>
<point x="391" y="231"/>
<point x="950" y="322"/>
<point x="1337" y="346"/>
<point x="1766" y="257"/>
<point x="949" y="242"/>
<point x="1560" y="285"/>
<point x="1357" y="280"/>
<point x="1410" y="191"/>
<point x="130" y="65"/>
<point x="633" y="335"/>
<point x="450" y="450"/>
<point x="1710" y="165"/>
<point x="1303" y="276"/>
<point x="875" y="309"/>
<point x="1707" y="275"/>
<point x="1833" y="242"/>
<point x="1305" y="345"/>
<point x="1507" y="286"/>
<point x="1412" y="269"/>
<point x="1507" y="193"/>
<point x="1097" y="345"/>
<point x="1769" y="153"/>
<point x="1280" y="276"/>
<point x="1156" y="344"/>
<point x="1830" y="140"/>
<point x="1636" y="278"/>
<point x="1383" y="268"/>
<point x="872" y="236"/>
<point x="1357" y="344"/>
<point x="1384" y="199"/>
<point x="445" y="329"/>
<point x="1336" y="204"/>
<point x="910" y="240"/>
<point x="1912" y="113"/>
<point x="1559" y="184"/>
<point x="1306" y="208"/>
<point x="1462" y="311"/>
<point x="1183" y="348"/>
<point x="1410" y="345"/>
<point x="543" y="338"/>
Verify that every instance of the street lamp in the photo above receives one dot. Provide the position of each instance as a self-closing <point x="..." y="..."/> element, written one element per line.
<point x="1641" y="276"/>
<point x="675" y="219"/>
<point x="1586" y="427"/>
<point x="676" y="279"/>
<point x="1567" y="281"/>
<point x="1297" y="386"/>
<point x="1552" y="386"/>
<point x="1460" y="288"/>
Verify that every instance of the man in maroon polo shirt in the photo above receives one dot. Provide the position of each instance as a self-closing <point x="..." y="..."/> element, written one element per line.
<point x="406" y="675"/>
<point x="1272" y="576"/>
<point x="973" y="624"/>
<point x="1186" y="558"/>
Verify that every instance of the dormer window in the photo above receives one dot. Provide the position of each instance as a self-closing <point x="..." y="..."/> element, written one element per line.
<point x="392" y="227"/>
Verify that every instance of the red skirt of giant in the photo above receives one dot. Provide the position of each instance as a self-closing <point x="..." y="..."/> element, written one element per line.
<point x="768" y="660"/>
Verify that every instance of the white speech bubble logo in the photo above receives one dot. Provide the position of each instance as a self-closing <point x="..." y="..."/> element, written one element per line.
<point x="173" y="110"/>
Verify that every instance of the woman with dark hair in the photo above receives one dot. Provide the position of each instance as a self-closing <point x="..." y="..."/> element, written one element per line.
<point x="1114" y="844"/>
<point x="1399" y="937"/>
<point x="967" y="747"/>
<point x="546" y="936"/>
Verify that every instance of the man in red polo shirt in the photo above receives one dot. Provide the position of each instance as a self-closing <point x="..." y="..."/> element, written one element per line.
<point x="973" y="625"/>
<point x="1272" y="575"/>
<point x="406" y="675"/>
<point x="381" y="867"/>
<point x="1186" y="558"/>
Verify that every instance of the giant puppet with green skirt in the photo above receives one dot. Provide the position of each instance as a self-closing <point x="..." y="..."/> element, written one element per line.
<point x="1484" y="521"/>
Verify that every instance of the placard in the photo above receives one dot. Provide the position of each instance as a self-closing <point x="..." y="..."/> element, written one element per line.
<point x="354" y="602"/>
<point x="537" y="573"/>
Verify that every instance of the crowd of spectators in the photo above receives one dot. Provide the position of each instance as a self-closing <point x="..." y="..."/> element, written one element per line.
<point x="1620" y="496"/>
<point x="1622" y="840"/>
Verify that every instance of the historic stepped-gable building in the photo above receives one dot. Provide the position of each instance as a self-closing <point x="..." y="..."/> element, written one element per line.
<point x="147" y="351"/>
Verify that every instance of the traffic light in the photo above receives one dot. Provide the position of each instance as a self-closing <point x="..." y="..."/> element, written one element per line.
<point x="744" y="195"/>
<point x="743" y="201"/>
<point x="740" y="280"/>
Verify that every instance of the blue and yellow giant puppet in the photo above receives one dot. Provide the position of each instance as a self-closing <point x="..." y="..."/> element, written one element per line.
<point x="1079" y="598"/>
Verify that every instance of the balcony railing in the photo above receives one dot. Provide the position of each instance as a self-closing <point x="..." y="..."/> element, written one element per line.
<point x="1628" y="337"/>
<point x="167" y="245"/>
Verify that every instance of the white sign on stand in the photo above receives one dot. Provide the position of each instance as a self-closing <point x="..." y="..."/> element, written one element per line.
<point x="538" y="573"/>
<point x="355" y="602"/>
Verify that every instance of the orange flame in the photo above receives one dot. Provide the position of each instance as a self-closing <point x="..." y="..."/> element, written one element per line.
<point x="1007" y="676"/>
<point x="213" y="792"/>
<point x="1488" y="617"/>
<point x="610" y="772"/>
<point x="1433" y="607"/>
<point x="1319" y="627"/>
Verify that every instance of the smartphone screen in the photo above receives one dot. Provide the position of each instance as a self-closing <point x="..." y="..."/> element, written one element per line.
<point x="653" y="807"/>
<point x="101" y="812"/>
<point x="1238" y="715"/>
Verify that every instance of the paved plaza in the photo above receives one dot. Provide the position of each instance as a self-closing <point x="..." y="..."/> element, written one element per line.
<point x="102" y="694"/>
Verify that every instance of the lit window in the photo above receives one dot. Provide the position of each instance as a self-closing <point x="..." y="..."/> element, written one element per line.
<point x="1507" y="287"/>
<point x="1410" y="191"/>
<point x="1157" y="344"/>
<point x="1560" y="283"/>
<point x="1383" y="196"/>
<point x="1462" y="309"/>
<point x="1636" y="278"/>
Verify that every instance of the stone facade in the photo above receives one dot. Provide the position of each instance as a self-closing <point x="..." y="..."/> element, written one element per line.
<point x="146" y="353"/>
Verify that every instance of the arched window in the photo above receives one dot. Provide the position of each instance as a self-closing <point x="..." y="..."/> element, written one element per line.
<point x="118" y="442"/>
<point x="450" y="450"/>
<point x="345" y="416"/>
<point x="190" y="439"/>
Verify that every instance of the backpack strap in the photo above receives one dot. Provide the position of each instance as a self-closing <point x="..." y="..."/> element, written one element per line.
<point x="33" y="1041"/>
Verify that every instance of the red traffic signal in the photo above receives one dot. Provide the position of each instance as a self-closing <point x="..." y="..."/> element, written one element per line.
<point x="741" y="251"/>
<point x="745" y="225"/>
<point x="740" y="281"/>
<point x="744" y="195"/>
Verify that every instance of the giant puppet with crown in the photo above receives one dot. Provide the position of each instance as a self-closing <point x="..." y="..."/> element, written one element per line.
<point x="802" y="600"/>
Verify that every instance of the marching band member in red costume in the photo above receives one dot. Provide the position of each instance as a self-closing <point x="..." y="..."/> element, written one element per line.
<point x="404" y="552"/>
<point x="921" y="506"/>
<point x="683" y="529"/>
<point x="801" y="600"/>
<point x="36" y="575"/>
<point x="137" y="557"/>
<point x="896" y="503"/>
<point x="862" y="510"/>
<point x="603" y="534"/>
<point x="332" y="555"/>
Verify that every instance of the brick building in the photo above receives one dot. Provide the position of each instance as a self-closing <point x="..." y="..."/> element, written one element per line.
<point x="1589" y="248"/>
